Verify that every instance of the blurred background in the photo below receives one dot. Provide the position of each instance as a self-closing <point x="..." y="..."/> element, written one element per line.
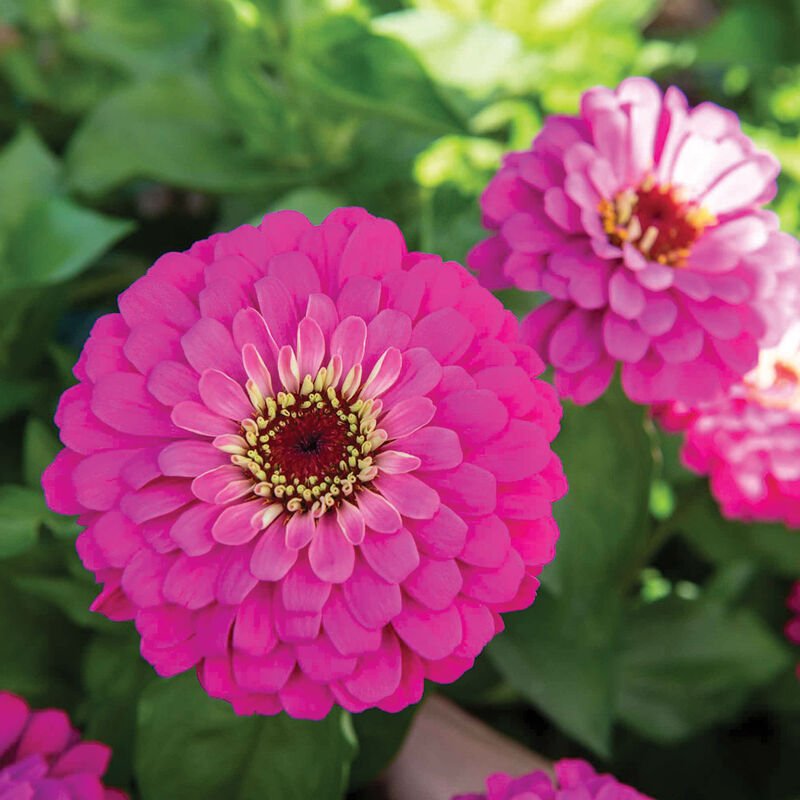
<point x="133" y="127"/>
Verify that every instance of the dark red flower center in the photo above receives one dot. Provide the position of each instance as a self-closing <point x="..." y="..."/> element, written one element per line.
<point x="656" y="220"/>
<point x="308" y="451"/>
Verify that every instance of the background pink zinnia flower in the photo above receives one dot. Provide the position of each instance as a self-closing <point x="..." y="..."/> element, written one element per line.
<point x="792" y="628"/>
<point x="310" y="464"/>
<point x="41" y="756"/>
<point x="748" y="440"/>
<point x="641" y="217"/>
<point x="575" y="780"/>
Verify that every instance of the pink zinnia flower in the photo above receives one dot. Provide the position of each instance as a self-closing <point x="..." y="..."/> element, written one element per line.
<point x="748" y="440"/>
<point x="575" y="780"/>
<point x="792" y="628"/>
<point x="311" y="464"/>
<point x="42" y="756"/>
<point x="642" y="218"/>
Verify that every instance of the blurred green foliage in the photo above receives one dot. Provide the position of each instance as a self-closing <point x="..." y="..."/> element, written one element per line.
<point x="132" y="127"/>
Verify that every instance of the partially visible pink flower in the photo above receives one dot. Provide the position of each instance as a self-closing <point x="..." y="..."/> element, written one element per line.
<point x="792" y="629"/>
<point x="642" y="218"/>
<point x="43" y="757"/>
<point x="748" y="440"/>
<point x="310" y="464"/>
<point x="575" y="780"/>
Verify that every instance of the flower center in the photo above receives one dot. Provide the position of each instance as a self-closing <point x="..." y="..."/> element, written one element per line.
<point x="656" y="220"/>
<point x="308" y="451"/>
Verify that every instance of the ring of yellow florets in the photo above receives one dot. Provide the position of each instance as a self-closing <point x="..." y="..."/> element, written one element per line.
<point x="310" y="449"/>
<point x="656" y="219"/>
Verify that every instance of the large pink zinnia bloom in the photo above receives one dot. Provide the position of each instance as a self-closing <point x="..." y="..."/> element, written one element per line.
<point x="748" y="440"/>
<point x="575" y="780"/>
<point x="642" y="218"/>
<point x="792" y="629"/>
<point x="311" y="464"/>
<point x="43" y="758"/>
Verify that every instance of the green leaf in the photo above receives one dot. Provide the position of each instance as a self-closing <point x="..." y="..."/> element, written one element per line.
<point x="172" y="129"/>
<point x="39" y="447"/>
<point x="563" y="661"/>
<point x="22" y="511"/>
<point x="723" y="541"/>
<point x="561" y="653"/>
<point x="114" y="675"/>
<point x="380" y="736"/>
<point x="687" y="664"/>
<point x="189" y="745"/>
<point x="607" y="459"/>
<point x="28" y="172"/>
<point x="341" y="60"/>
<point x="57" y="240"/>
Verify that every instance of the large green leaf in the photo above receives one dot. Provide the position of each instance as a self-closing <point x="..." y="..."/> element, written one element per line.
<point x="723" y="541"/>
<point x="28" y="172"/>
<point x="56" y="241"/>
<point x="189" y="745"/>
<point x="22" y="511"/>
<point x="172" y="129"/>
<point x="561" y="653"/>
<point x="563" y="661"/>
<point x="686" y="664"/>
<point x="339" y="59"/>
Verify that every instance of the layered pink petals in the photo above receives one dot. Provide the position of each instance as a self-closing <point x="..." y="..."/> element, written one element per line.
<point x="682" y="315"/>
<point x="747" y="441"/>
<point x="397" y="575"/>
<point x="574" y="780"/>
<point x="42" y="756"/>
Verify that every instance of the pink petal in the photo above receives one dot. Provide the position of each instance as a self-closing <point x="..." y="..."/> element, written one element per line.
<point x="208" y="345"/>
<point x="253" y="631"/>
<point x="190" y="458"/>
<point x="235" y="580"/>
<point x="441" y="537"/>
<point x="377" y="512"/>
<point x="375" y="247"/>
<point x="407" y="416"/>
<point x="170" y="382"/>
<point x="322" y="309"/>
<point x="153" y="300"/>
<point x="159" y="497"/>
<point x="265" y="674"/>
<point x="393" y="557"/>
<point x="348" y="635"/>
<point x="372" y="600"/>
<point x="272" y="559"/>
<point x="522" y="449"/>
<point x="351" y="522"/>
<point x="278" y="310"/>
<point x="330" y="554"/>
<point x="191" y="531"/>
<point x="196" y="418"/>
<point x="625" y="296"/>
<point x="487" y="542"/>
<point x="384" y="374"/>
<point x="191" y="580"/>
<point x="122" y="401"/>
<point x="378" y="673"/>
<point x="310" y="347"/>
<point x="208" y="485"/>
<point x="348" y="342"/>
<point x="576" y="341"/>
<point x="304" y="699"/>
<point x="435" y="583"/>
<point x="623" y="339"/>
<point x="431" y="634"/>
<point x="297" y="273"/>
<point x="446" y="333"/>
<point x="234" y="525"/>
<point x="302" y="590"/>
<point x="419" y="375"/>
<point x="467" y="488"/>
<point x="409" y="495"/>
<point x="394" y="462"/>
<point x="299" y="530"/>
<point x="476" y="414"/>
<point x="436" y="448"/>
<point x="224" y="396"/>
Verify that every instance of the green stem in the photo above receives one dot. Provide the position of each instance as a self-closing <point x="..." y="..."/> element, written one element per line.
<point x="662" y="533"/>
